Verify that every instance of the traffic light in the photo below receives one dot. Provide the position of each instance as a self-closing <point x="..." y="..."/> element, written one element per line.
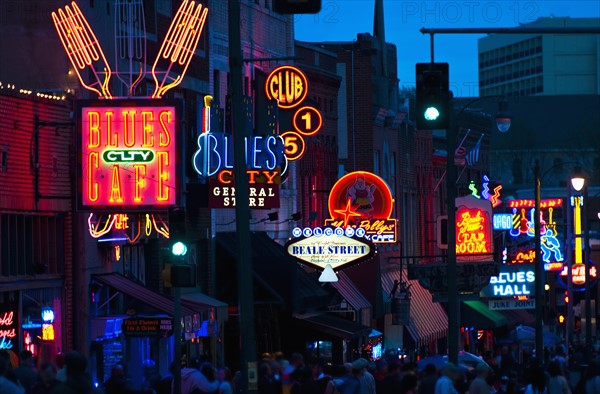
<point x="297" y="6"/>
<point x="433" y="98"/>
<point x="177" y="239"/>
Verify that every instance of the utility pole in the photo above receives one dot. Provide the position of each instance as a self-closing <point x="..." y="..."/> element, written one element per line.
<point x="242" y="211"/>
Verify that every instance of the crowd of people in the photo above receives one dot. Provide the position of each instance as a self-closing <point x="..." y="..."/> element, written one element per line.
<point x="279" y="375"/>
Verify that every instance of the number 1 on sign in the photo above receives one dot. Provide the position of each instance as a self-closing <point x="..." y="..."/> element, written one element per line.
<point x="306" y="118"/>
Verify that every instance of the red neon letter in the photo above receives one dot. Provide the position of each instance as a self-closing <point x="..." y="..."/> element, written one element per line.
<point x="112" y="138"/>
<point x="129" y="128"/>
<point x="225" y="177"/>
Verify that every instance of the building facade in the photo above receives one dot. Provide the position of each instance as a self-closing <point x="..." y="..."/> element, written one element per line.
<point x="541" y="64"/>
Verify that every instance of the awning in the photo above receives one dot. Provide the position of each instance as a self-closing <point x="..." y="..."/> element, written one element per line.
<point x="476" y="314"/>
<point x="335" y="326"/>
<point x="428" y="320"/>
<point x="350" y="292"/>
<point x="518" y="316"/>
<point x="199" y="301"/>
<point x="149" y="297"/>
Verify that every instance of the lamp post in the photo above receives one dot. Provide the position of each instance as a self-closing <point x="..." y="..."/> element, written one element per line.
<point x="579" y="184"/>
<point x="503" y="125"/>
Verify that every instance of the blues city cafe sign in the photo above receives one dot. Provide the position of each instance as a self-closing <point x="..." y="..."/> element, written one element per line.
<point x="129" y="152"/>
<point x="335" y="247"/>
<point x="363" y="201"/>
<point x="266" y="165"/>
<point x="512" y="281"/>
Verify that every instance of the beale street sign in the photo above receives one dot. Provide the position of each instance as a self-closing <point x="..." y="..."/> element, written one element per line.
<point x="330" y="247"/>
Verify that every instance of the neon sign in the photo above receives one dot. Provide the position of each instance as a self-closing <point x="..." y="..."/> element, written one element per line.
<point x="48" y="332"/>
<point x="578" y="273"/>
<point x="129" y="155"/>
<point x="494" y="198"/>
<point x="141" y="224"/>
<point x="510" y="283"/>
<point x="547" y="203"/>
<point x="473" y="227"/>
<point x="8" y="330"/>
<point x="288" y="85"/>
<point x="362" y="200"/>
<point x="266" y="162"/>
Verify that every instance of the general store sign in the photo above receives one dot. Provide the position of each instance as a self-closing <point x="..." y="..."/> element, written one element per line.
<point x="330" y="248"/>
<point x="129" y="154"/>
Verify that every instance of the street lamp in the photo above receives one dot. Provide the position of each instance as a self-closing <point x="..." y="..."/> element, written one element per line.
<point x="579" y="184"/>
<point x="503" y="122"/>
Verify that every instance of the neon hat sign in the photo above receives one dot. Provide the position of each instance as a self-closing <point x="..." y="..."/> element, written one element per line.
<point x="362" y="200"/>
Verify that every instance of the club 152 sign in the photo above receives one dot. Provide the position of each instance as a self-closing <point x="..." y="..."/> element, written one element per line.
<point x="129" y="154"/>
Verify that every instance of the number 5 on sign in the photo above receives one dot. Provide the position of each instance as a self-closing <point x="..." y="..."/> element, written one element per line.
<point x="294" y="145"/>
<point x="308" y="121"/>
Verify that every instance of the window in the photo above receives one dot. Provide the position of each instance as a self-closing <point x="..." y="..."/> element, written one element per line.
<point x="4" y="159"/>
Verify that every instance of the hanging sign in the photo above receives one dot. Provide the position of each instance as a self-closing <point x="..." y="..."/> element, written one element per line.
<point x="129" y="152"/>
<point x="148" y="327"/>
<point x="334" y="247"/>
<point x="474" y="229"/>
<point x="512" y="281"/>
<point x="362" y="200"/>
<point x="288" y="85"/>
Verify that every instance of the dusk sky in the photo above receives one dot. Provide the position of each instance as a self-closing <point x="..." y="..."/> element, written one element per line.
<point x="341" y="20"/>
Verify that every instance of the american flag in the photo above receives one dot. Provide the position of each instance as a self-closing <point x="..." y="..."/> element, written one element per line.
<point x="473" y="156"/>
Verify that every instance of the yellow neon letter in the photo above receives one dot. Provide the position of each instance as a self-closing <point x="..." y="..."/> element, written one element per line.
<point x="115" y="190"/>
<point x="147" y="131"/>
<point x="140" y="181"/>
<point x="165" y="136"/>
<point x="92" y="186"/>
<point x="94" y="129"/>
<point x="163" y="176"/>
<point x="129" y="128"/>
<point x="112" y="138"/>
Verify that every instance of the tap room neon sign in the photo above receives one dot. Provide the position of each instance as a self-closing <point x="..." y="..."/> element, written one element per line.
<point x="473" y="227"/>
<point x="362" y="200"/>
<point x="129" y="154"/>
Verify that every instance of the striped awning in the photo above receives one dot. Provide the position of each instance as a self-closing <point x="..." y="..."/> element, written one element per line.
<point x="428" y="320"/>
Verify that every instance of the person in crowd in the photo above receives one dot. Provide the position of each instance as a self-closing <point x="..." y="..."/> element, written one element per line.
<point x="409" y="384"/>
<point x="427" y="384"/>
<point x="25" y="373"/>
<point x="590" y="381"/>
<point x="118" y="383"/>
<point x="351" y="383"/>
<point x="166" y="382"/>
<point x="61" y="373"/>
<point x="47" y="380"/>
<point x="537" y="379"/>
<point x="381" y="371"/>
<point x="558" y="382"/>
<point x="266" y="382"/>
<point x="225" y="378"/>
<point x="367" y="381"/>
<point x="8" y="385"/>
<point x="296" y="361"/>
<point x="303" y="382"/>
<point x="479" y="385"/>
<point x="78" y="380"/>
<point x="210" y="372"/>
<point x="193" y="380"/>
<point x="338" y="374"/>
<point x="392" y="382"/>
<point x="151" y="376"/>
<point x="445" y="383"/>
<point x="322" y="378"/>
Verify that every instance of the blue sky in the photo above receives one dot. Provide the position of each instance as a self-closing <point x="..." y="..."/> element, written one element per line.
<point x="341" y="20"/>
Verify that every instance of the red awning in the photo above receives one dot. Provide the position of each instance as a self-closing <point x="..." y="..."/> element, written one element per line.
<point x="428" y="320"/>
